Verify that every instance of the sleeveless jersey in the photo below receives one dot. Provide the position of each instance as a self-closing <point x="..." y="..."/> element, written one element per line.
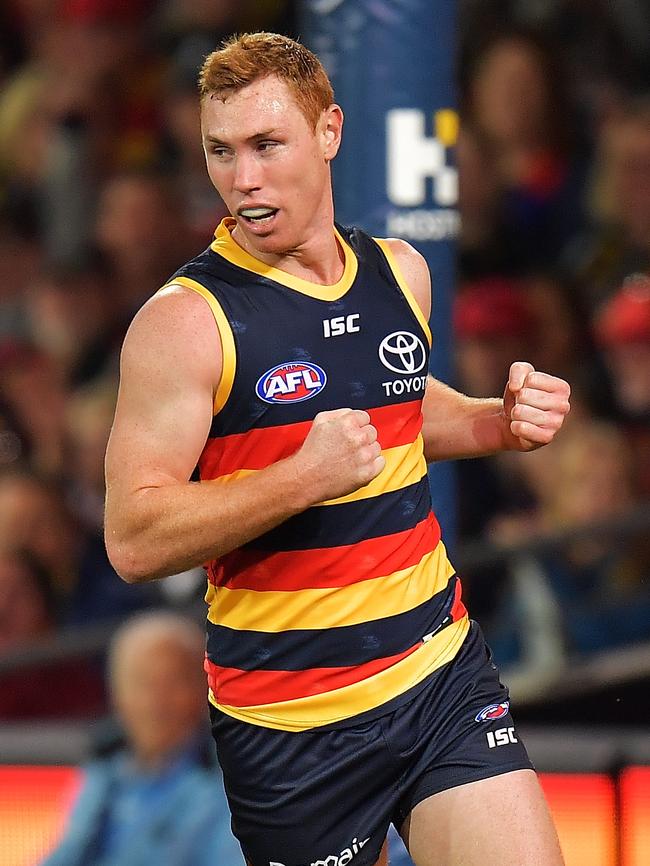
<point x="352" y="603"/>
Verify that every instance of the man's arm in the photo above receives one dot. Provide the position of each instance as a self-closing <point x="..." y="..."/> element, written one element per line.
<point x="532" y="409"/>
<point x="157" y="521"/>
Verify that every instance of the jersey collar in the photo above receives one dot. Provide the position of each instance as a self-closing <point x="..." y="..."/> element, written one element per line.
<point x="229" y="249"/>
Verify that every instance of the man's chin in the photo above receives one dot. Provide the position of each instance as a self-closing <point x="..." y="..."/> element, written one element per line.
<point x="265" y="240"/>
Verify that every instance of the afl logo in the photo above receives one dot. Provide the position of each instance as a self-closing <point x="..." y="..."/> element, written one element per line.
<point x="493" y="711"/>
<point x="291" y="382"/>
<point x="402" y="352"/>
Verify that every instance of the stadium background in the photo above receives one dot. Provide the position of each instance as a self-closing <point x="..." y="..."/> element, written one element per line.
<point x="103" y="194"/>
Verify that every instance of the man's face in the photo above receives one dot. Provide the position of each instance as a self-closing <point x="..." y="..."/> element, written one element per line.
<point x="269" y="166"/>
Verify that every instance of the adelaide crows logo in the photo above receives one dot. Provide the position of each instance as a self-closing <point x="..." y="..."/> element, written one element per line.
<point x="291" y="382"/>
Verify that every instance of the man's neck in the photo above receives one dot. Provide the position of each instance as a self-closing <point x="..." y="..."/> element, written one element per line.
<point x="319" y="258"/>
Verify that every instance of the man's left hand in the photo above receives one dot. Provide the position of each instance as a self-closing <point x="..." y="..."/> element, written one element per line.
<point x="535" y="405"/>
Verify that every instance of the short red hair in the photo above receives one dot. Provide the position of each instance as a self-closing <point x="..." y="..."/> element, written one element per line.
<point x="241" y="60"/>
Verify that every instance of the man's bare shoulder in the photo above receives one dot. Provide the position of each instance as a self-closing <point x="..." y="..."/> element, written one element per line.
<point x="174" y="332"/>
<point x="415" y="270"/>
<point x="174" y="316"/>
<point x="170" y="371"/>
<point x="173" y="306"/>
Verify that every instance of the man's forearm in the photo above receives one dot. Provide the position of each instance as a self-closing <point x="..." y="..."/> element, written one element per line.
<point x="164" y="525"/>
<point x="160" y="530"/>
<point x="456" y="426"/>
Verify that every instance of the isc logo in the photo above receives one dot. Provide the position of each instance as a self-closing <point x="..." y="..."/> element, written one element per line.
<point x="413" y="157"/>
<point x="291" y="382"/>
<point x="341" y="325"/>
<point x="501" y="737"/>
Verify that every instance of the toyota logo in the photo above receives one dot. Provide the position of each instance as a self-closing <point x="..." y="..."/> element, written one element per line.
<point x="402" y="352"/>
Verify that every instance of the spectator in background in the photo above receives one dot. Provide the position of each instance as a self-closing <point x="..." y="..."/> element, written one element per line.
<point x="33" y="391"/>
<point x="600" y="583"/>
<point x="622" y="327"/>
<point x="605" y="44"/>
<point x="155" y="800"/>
<point x="89" y="416"/>
<point x="98" y="593"/>
<point x="28" y="615"/>
<point x="141" y="233"/>
<point x="516" y="99"/>
<point x="619" y="244"/>
<point x="69" y="316"/>
<point x="591" y="593"/>
<point x="36" y="516"/>
<point x="494" y="322"/>
<point x="27" y="600"/>
<point x="484" y="247"/>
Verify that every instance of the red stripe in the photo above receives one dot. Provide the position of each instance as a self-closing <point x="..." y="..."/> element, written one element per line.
<point x="238" y="688"/>
<point x="458" y="609"/>
<point x="326" y="567"/>
<point x="398" y="424"/>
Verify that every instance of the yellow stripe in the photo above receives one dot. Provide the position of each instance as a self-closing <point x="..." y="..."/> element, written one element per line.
<point x="229" y="361"/>
<point x="331" y="607"/>
<point x="405" y="464"/>
<point x="401" y="282"/>
<point x="225" y="246"/>
<point x="335" y="706"/>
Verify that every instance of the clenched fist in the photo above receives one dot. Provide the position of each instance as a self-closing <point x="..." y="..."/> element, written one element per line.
<point x="340" y="454"/>
<point x="535" y="405"/>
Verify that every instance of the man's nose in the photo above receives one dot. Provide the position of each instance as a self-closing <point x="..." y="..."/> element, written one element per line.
<point x="247" y="174"/>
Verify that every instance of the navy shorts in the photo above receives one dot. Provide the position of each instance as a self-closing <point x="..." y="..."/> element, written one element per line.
<point x="327" y="796"/>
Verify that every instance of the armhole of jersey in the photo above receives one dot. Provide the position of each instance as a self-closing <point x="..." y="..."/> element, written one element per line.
<point x="384" y="246"/>
<point x="229" y="362"/>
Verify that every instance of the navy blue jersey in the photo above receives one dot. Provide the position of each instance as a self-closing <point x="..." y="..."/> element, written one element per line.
<point x="351" y="603"/>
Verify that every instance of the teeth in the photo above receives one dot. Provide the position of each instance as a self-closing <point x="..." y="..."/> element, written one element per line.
<point x="257" y="212"/>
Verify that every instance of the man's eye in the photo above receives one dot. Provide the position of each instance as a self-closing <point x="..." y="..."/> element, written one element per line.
<point x="267" y="145"/>
<point x="219" y="152"/>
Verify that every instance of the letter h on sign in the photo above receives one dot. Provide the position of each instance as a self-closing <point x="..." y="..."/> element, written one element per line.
<point x="413" y="156"/>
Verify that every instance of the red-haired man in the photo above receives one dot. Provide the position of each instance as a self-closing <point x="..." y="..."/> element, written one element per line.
<point x="274" y="421"/>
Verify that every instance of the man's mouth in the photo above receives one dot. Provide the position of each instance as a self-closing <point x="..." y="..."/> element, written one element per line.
<point x="258" y="215"/>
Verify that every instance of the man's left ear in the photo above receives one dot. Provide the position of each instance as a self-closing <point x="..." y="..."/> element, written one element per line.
<point x="332" y="126"/>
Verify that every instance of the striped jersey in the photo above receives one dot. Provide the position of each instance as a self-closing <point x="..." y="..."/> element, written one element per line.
<point x="347" y="606"/>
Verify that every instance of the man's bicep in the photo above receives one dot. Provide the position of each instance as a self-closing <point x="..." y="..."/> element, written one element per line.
<point x="157" y="436"/>
<point x="169" y="373"/>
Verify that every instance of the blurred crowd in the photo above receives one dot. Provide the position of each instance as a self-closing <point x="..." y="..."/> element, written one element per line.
<point x="103" y="194"/>
<point x="554" y="267"/>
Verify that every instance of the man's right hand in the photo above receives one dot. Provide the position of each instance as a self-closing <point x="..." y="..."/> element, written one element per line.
<point x="340" y="454"/>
